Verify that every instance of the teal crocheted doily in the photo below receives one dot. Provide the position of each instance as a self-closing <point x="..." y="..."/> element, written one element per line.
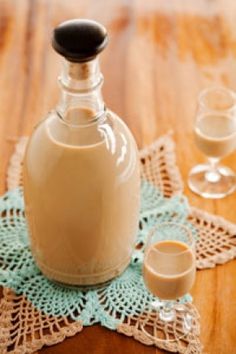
<point x="108" y="304"/>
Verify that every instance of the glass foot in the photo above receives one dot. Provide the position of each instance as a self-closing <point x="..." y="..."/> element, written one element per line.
<point x="178" y="327"/>
<point x="212" y="185"/>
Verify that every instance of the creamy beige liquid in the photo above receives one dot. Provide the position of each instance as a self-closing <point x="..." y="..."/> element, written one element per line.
<point x="215" y="135"/>
<point x="82" y="201"/>
<point x="167" y="274"/>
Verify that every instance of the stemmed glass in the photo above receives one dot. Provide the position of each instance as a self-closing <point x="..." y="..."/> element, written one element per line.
<point x="169" y="273"/>
<point x="215" y="136"/>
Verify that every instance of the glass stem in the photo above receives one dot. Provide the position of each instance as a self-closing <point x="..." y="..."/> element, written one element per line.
<point x="213" y="175"/>
<point x="167" y="312"/>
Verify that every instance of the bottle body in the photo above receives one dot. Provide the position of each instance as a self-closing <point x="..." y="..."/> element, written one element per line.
<point x="82" y="188"/>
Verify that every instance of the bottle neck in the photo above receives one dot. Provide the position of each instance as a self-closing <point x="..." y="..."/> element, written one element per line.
<point x="81" y="92"/>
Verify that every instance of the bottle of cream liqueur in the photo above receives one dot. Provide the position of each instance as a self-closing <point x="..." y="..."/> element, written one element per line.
<point x="81" y="171"/>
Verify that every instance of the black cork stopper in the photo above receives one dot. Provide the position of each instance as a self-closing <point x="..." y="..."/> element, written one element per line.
<point x="79" y="40"/>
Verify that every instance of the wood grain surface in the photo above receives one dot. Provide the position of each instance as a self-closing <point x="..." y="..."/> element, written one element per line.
<point x="161" y="54"/>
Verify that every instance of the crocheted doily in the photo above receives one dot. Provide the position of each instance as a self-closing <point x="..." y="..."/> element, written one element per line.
<point x="28" y="320"/>
<point x="216" y="243"/>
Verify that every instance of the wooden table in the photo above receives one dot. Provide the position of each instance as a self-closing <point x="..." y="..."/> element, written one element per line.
<point x="161" y="54"/>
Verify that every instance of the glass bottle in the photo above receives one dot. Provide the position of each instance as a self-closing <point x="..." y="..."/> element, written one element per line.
<point x="81" y="172"/>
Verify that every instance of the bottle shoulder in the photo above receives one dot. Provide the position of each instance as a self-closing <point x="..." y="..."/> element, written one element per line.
<point x="109" y="146"/>
<point x="108" y="130"/>
<point x="121" y="126"/>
